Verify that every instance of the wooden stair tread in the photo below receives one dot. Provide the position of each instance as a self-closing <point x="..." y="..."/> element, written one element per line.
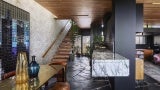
<point x="67" y="39"/>
<point x="64" y="50"/>
<point x="65" y="47"/>
<point x="58" y="62"/>
<point x="66" y="42"/>
<point x="63" y="53"/>
<point x="61" y="57"/>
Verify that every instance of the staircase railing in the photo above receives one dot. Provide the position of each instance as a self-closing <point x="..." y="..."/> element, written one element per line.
<point x="66" y="27"/>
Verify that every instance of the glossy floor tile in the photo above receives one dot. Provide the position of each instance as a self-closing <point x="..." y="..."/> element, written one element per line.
<point x="152" y="70"/>
<point x="79" y="77"/>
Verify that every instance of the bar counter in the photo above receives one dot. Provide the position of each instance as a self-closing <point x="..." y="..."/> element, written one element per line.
<point x="45" y="73"/>
<point x="106" y="63"/>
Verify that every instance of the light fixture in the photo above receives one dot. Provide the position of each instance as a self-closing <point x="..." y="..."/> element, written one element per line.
<point x="155" y="3"/>
<point x="102" y="25"/>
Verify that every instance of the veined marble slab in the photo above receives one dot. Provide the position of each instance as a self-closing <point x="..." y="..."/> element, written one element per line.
<point x="105" y="63"/>
<point x="112" y="68"/>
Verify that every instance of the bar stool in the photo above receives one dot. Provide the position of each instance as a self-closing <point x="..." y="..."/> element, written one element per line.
<point x="63" y="71"/>
<point x="61" y="85"/>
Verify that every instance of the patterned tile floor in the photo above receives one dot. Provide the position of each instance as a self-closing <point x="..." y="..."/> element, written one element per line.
<point x="152" y="70"/>
<point x="79" y="77"/>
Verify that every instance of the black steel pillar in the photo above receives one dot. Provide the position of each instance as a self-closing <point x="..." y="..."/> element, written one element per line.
<point x="139" y="18"/>
<point x="124" y="12"/>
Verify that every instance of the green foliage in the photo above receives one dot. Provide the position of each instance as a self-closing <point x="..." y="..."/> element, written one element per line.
<point x="98" y="40"/>
<point x="74" y="31"/>
<point x="88" y="48"/>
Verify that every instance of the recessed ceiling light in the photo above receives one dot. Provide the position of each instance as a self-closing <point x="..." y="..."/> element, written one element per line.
<point x="102" y="25"/>
<point x="155" y="3"/>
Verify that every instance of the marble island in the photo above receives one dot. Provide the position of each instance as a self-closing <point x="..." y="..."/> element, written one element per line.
<point x="105" y="63"/>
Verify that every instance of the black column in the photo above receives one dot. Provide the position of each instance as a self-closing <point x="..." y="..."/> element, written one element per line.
<point x="139" y="18"/>
<point x="124" y="12"/>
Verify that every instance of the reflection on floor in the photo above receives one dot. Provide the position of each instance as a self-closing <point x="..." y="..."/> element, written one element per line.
<point x="152" y="77"/>
<point x="79" y="77"/>
<point x="152" y="70"/>
<point x="150" y="84"/>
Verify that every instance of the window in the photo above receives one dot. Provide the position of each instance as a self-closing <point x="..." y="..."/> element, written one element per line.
<point x="140" y="40"/>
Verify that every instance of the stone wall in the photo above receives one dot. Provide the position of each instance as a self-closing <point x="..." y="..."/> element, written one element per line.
<point x="43" y="27"/>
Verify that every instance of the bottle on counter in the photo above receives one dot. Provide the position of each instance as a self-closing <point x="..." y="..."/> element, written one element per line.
<point x="22" y="68"/>
<point x="33" y="68"/>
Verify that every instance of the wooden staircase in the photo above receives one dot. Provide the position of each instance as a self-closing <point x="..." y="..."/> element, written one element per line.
<point x="64" y="49"/>
<point x="62" y="56"/>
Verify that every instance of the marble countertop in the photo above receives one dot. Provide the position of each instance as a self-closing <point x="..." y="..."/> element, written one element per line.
<point x="106" y="63"/>
<point x="106" y="55"/>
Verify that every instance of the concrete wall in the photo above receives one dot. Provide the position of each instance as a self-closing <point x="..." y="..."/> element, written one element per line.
<point x="43" y="27"/>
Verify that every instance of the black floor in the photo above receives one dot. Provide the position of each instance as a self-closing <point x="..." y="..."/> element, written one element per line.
<point x="150" y="84"/>
<point x="79" y="77"/>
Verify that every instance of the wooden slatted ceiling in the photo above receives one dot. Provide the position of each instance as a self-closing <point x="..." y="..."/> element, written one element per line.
<point x="83" y="12"/>
<point x="151" y="12"/>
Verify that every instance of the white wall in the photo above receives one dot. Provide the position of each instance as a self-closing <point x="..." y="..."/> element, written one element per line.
<point x="43" y="27"/>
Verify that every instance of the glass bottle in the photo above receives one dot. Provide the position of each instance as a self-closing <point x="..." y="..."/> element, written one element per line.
<point x="33" y="68"/>
<point x="22" y="68"/>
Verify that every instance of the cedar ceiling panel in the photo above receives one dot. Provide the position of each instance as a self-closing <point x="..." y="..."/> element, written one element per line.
<point x="139" y="1"/>
<point x="151" y="1"/>
<point x="151" y="12"/>
<point x="150" y="5"/>
<point x="83" y="12"/>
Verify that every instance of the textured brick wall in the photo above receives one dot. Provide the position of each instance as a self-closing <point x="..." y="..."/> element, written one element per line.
<point x="43" y="27"/>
